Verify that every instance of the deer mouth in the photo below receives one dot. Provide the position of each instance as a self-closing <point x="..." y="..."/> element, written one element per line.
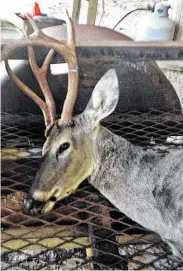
<point x="48" y="205"/>
<point x="32" y="206"/>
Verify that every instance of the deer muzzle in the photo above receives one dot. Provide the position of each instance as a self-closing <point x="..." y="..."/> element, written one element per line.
<point x="34" y="206"/>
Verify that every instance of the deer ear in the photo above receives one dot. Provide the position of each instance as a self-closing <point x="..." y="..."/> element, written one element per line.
<point x="104" y="98"/>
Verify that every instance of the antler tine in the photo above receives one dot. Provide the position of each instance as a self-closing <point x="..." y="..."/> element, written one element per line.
<point x="68" y="106"/>
<point x="70" y="30"/>
<point x="29" y="92"/>
<point x="26" y="89"/>
<point x="41" y="73"/>
<point x="38" y="33"/>
<point x="36" y="29"/>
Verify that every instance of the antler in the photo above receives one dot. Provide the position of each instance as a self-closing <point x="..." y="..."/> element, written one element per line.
<point x="67" y="50"/>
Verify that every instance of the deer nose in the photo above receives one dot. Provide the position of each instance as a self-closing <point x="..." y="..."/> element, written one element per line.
<point x="30" y="205"/>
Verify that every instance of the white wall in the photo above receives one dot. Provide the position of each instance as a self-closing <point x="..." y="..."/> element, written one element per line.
<point x="113" y="10"/>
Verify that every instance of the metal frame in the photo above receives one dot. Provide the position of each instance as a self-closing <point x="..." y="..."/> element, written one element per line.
<point x="85" y="221"/>
<point x="115" y="50"/>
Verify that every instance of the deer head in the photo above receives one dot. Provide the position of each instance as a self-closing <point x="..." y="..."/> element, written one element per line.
<point x="68" y="155"/>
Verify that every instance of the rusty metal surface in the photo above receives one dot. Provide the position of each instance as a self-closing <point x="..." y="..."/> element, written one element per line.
<point x="142" y="86"/>
<point x="114" y="50"/>
<point x="84" y="231"/>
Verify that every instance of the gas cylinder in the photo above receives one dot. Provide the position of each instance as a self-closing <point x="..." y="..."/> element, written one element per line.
<point x="156" y="26"/>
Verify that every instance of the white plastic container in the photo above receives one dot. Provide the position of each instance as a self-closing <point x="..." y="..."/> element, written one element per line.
<point x="156" y="26"/>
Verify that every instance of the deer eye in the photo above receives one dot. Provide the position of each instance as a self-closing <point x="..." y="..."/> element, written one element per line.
<point x="63" y="148"/>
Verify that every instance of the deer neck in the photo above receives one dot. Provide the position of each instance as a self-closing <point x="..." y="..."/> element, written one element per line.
<point x="109" y="151"/>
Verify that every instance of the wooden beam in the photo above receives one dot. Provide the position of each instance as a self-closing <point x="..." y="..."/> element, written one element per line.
<point x="36" y="238"/>
<point x="76" y="10"/>
<point x="136" y="239"/>
<point x="176" y="15"/>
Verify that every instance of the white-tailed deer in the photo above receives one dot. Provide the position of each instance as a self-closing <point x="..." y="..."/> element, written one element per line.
<point x="146" y="185"/>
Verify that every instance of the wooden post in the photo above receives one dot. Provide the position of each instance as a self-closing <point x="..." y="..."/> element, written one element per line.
<point x="76" y="10"/>
<point x="92" y="11"/>
<point x="84" y="11"/>
<point x="177" y="16"/>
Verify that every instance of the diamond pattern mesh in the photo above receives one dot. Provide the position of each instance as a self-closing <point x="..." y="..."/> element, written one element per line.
<point x="84" y="231"/>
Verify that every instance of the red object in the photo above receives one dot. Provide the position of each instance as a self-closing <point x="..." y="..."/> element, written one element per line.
<point x="36" y="10"/>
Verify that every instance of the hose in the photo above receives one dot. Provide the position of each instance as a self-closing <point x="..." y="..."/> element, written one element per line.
<point x="148" y="9"/>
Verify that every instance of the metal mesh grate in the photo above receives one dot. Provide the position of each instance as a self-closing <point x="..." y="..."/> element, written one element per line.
<point x="83" y="231"/>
